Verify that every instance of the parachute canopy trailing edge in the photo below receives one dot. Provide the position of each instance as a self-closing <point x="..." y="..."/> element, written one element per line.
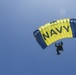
<point x="54" y="31"/>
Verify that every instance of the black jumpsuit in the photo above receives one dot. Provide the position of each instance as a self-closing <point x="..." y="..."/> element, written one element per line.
<point x="59" y="47"/>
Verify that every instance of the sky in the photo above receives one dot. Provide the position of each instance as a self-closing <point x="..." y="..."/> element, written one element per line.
<point x="20" y="54"/>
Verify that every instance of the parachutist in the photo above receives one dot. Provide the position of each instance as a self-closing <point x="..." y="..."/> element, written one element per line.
<point x="59" y="47"/>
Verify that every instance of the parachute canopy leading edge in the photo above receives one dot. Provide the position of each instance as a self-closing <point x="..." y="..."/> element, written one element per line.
<point x="54" y="31"/>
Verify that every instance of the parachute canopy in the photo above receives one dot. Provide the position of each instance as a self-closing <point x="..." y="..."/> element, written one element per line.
<point x="54" y="31"/>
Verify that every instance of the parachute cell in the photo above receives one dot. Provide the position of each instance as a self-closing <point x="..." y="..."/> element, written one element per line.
<point x="56" y="30"/>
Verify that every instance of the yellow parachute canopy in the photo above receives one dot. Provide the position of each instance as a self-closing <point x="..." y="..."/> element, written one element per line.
<point x="56" y="30"/>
